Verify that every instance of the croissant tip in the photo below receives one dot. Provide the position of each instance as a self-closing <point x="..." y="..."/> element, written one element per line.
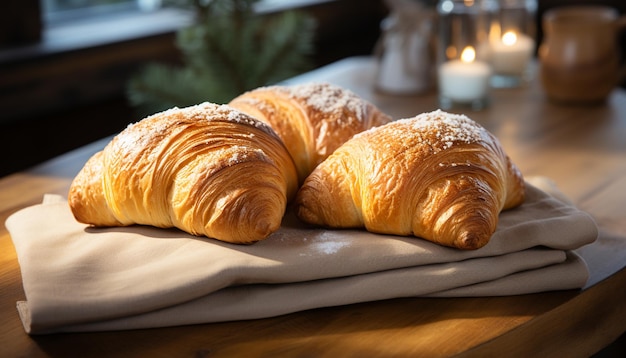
<point x="471" y="241"/>
<point x="264" y="228"/>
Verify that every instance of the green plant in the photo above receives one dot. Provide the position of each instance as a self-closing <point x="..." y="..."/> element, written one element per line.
<point x="228" y="50"/>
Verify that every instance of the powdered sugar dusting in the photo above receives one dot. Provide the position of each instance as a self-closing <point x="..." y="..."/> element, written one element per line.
<point x="211" y="111"/>
<point x="261" y="105"/>
<point x="134" y="137"/>
<point x="438" y="130"/>
<point x="240" y="154"/>
<point x="329" y="98"/>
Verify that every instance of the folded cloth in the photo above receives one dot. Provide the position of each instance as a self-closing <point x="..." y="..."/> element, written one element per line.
<point x="78" y="278"/>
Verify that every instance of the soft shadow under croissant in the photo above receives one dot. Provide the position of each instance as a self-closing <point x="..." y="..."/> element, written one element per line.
<point x="438" y="176"/>
<point x="208" y="170"/>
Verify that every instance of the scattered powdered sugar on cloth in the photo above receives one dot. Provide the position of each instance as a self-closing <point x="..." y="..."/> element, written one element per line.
<point x="311" y="243"/>
<point x="327" y="243"/>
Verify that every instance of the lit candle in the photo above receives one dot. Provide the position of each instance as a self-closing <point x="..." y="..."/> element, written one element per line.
<point x="464" y="80"/>
<point x="511" y="54"/>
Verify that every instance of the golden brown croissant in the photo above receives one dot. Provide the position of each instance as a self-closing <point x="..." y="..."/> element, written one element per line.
<point x="438" y="176"/>
<point x="207" y="169"/>
<point x="312" y="119"/>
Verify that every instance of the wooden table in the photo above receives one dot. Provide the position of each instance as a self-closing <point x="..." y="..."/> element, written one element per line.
<point x="583" y="149"/>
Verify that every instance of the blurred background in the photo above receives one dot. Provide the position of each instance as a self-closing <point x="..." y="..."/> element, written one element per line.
<point x="72" y="71"/>
<point x="68" y="67"/>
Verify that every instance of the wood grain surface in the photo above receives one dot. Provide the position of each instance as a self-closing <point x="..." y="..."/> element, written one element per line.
<point x="582" y="149"/>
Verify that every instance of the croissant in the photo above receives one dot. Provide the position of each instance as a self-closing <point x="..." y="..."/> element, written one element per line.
<point x="207" y="169"/>
<point x="312" y="119"/>
<point x="438" y="176"/>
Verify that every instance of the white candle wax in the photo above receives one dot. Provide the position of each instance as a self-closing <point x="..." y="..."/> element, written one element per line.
<point x="464" y="81"/>
<point x="513" y="58"/>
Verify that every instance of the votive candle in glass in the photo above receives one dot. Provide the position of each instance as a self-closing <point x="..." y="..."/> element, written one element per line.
<point x="464" y="81"/>
<point x="512" y="43"/>
<point x="464" y="70"/>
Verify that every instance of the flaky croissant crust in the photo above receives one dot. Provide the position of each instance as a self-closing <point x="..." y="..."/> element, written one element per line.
<point x="207" y="169"/>
<point x="313" y="119"/>
<point x="438" y="176"/>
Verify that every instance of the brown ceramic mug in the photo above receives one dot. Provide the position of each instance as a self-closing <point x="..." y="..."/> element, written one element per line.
<point x="579" y="55"/>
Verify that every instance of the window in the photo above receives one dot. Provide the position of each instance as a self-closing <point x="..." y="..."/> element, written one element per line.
<point x="61" y="11"/>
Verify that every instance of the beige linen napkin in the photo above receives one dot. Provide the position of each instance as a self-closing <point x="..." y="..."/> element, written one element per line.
<point x="78" y="278"/>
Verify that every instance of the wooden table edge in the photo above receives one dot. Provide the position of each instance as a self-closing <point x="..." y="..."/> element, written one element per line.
<point x="579" y="337"/>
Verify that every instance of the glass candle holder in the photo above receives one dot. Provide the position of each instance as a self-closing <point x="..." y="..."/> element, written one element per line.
<point x="513" y="42"/>
<point x="404" y="52"/>
<point x="464" y="70"/>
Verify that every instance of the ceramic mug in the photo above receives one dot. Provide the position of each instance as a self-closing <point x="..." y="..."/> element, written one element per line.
<point x="579" y="55"/>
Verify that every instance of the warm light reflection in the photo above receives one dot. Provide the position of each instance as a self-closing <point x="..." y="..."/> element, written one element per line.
<point x="468" y="54"/>
<point x="451" y="52"/>
<point x="509" y="38"/>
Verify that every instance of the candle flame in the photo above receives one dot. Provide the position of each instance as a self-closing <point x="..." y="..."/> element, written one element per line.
<point x="509" y="38"/>
<point x="468" y="54"/>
